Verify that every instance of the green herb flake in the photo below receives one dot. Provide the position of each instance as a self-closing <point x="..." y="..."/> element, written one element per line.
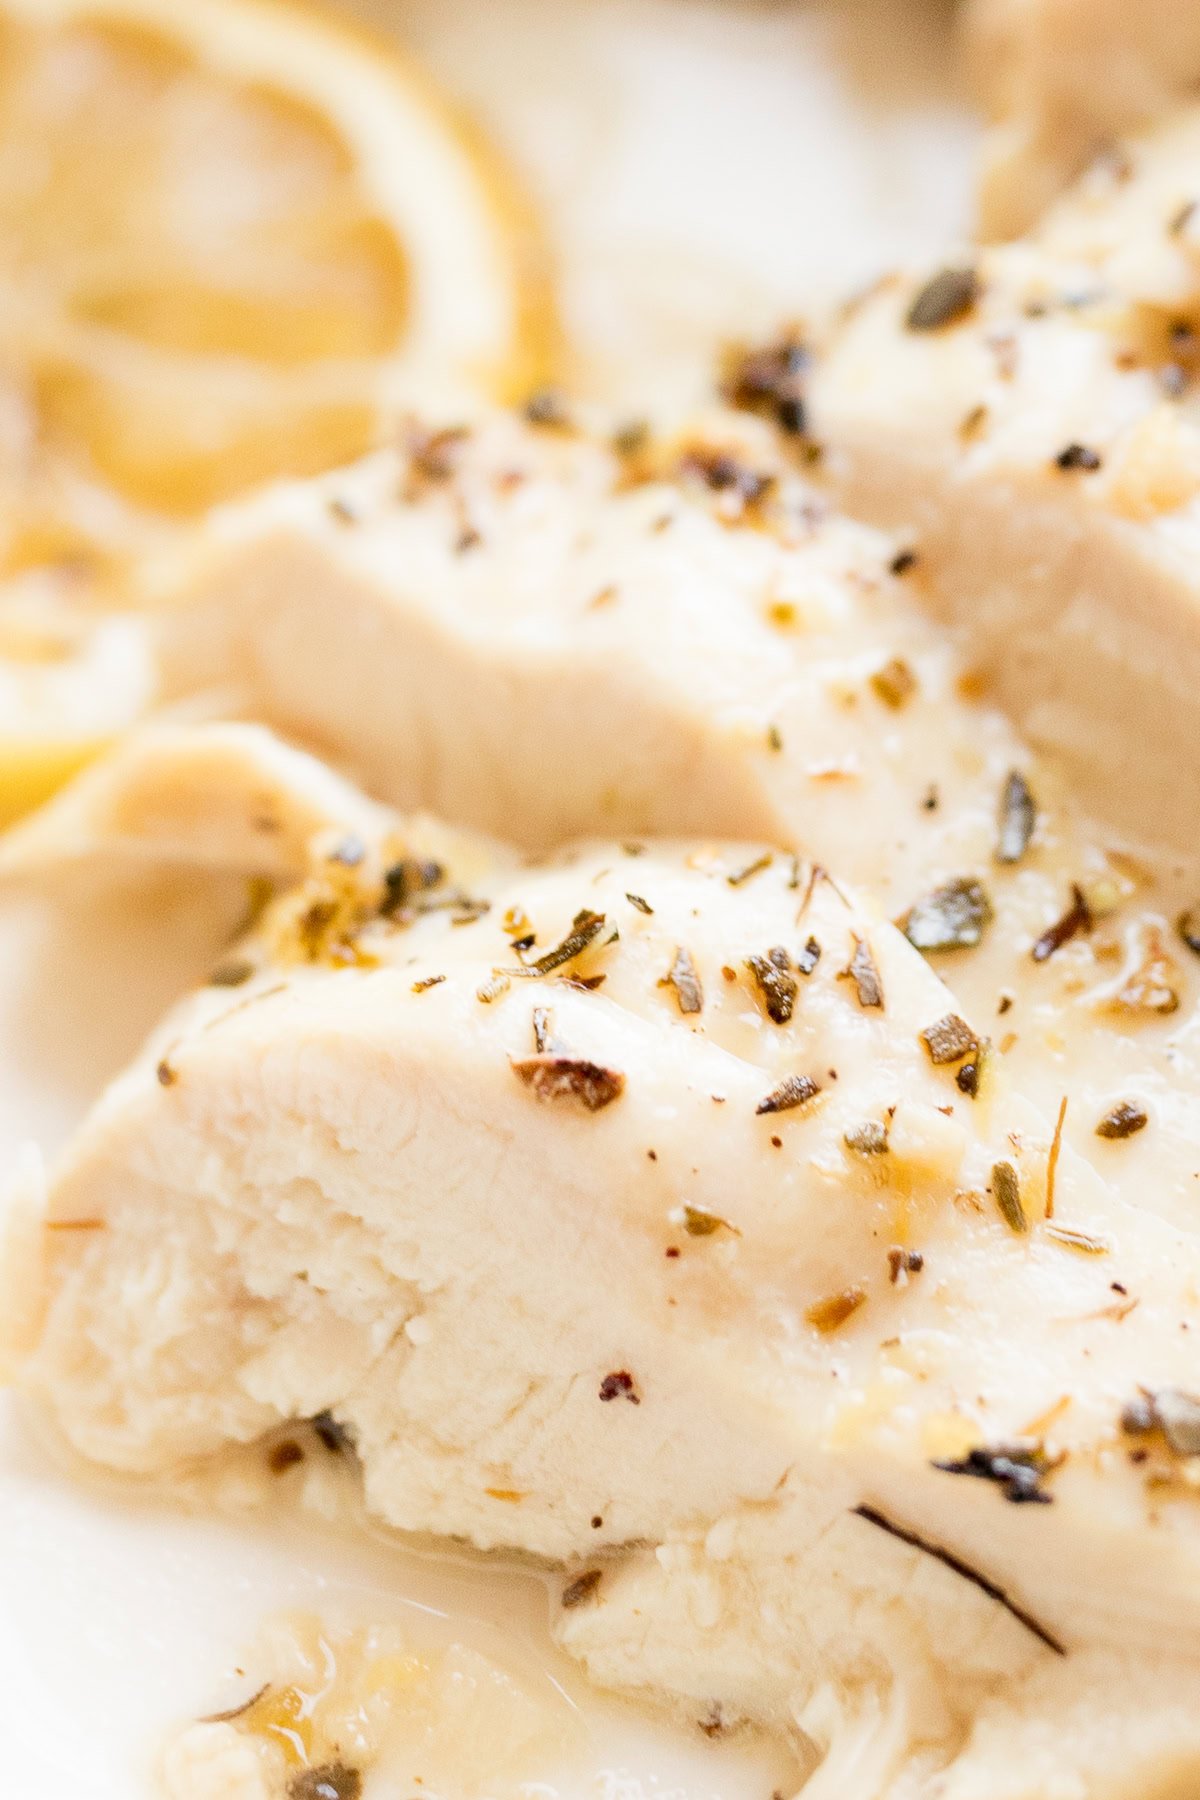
<point x="952" y="917"/>
<point x="699" y="1222"/>
<point x="585" y="929"/>
<point x="1018" y="818"/>
<point x="776" y="984"/>
<point x="809" y="957"/>
<point x="1122" y="1121"/>
<point x="231" y="974"/>
<point x="1006" y="1191"/>
<point x="944" y="300"/>
<point x="330" y="1781"/>
<point x="1017" y="1469"/>
<point x="792" y="1091"/>
<point x="870" y="1139"/>
<point x="683" y="978"/>
<point x="864" y="973"/>
<point x="755" y="868"/>
<point x="582" y="1588"/>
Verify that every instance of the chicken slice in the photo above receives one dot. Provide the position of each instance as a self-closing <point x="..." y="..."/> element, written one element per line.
<point x="220" y="796"/>
<point x="1028" y="417"/>
<point x="694" y="1252"/>
<point x="1062" y="79"/>
<point x="529" y="632"/>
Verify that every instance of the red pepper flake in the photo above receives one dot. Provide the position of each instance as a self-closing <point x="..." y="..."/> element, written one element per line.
<point x="620" y="1385"/>
<point x="562" y="1077"/>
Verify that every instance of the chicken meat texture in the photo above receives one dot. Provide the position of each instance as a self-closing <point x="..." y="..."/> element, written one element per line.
<point x="663" y="1248"/>
<point x="544" y="635"/>
<point x="535" y="633"/>
<point x="1027" y="415"/>
<point x="1061" y="81"/>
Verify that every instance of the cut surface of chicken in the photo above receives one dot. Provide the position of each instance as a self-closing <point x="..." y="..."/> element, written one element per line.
<point x="531" y="632"/>
<point x="1063" y="79"/>
<point x="1028" y="417"/>
<point x="223" y="796"/>
<point x="711" y="1250"/>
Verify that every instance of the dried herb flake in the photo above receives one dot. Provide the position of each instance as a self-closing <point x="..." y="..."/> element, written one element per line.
<point x="870" y="1139"/>
<point x="1122" y="1121"/>
<point x="952" y="917"/>
<point x="1018" y="817"/>
<point x="949" y="1039"/>
<point x="776" y="985"/>
<point x="585" y="929"/>
<point x="582" y="1588"/>
<point x="864" y="973"/>
<point x="792" y="1091"/>
<point x="1006" y="1190"/>
<point x="945" y="299"/>
<point x="830" y="1314"/>
<point x="1019" y="1470"/>
<point x="682" y="976"/>
<point x="620" y="1385"/>
<point x="332" y="1781"/>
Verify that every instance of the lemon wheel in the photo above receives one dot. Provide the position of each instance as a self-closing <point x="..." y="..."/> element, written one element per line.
<point x="235" y="238"/>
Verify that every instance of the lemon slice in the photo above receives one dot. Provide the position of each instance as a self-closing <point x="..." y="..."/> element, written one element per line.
<point x="233" y="236"/>
<point x="69" y="686"/>
<point x="235" y="239"/>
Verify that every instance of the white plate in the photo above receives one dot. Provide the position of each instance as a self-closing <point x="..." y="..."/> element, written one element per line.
<point x="703" y="169"/>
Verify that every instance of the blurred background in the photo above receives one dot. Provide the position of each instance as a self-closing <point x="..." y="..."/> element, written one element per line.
<point x="705" y="167"/>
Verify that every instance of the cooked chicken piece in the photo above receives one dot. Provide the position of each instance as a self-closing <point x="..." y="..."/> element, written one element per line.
<point x="222" y="796"/>
<point x="528" y="632"/>
<point x="695" y="1252"/>
<point x="1062" y="79"/>
<point x="1028" y="419"/>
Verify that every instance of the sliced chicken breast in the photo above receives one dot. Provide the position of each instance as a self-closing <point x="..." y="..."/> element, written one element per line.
<point x="1028" y="417"/>
<point x="651" y="1211"/>
<point x="1063" y="79"/>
